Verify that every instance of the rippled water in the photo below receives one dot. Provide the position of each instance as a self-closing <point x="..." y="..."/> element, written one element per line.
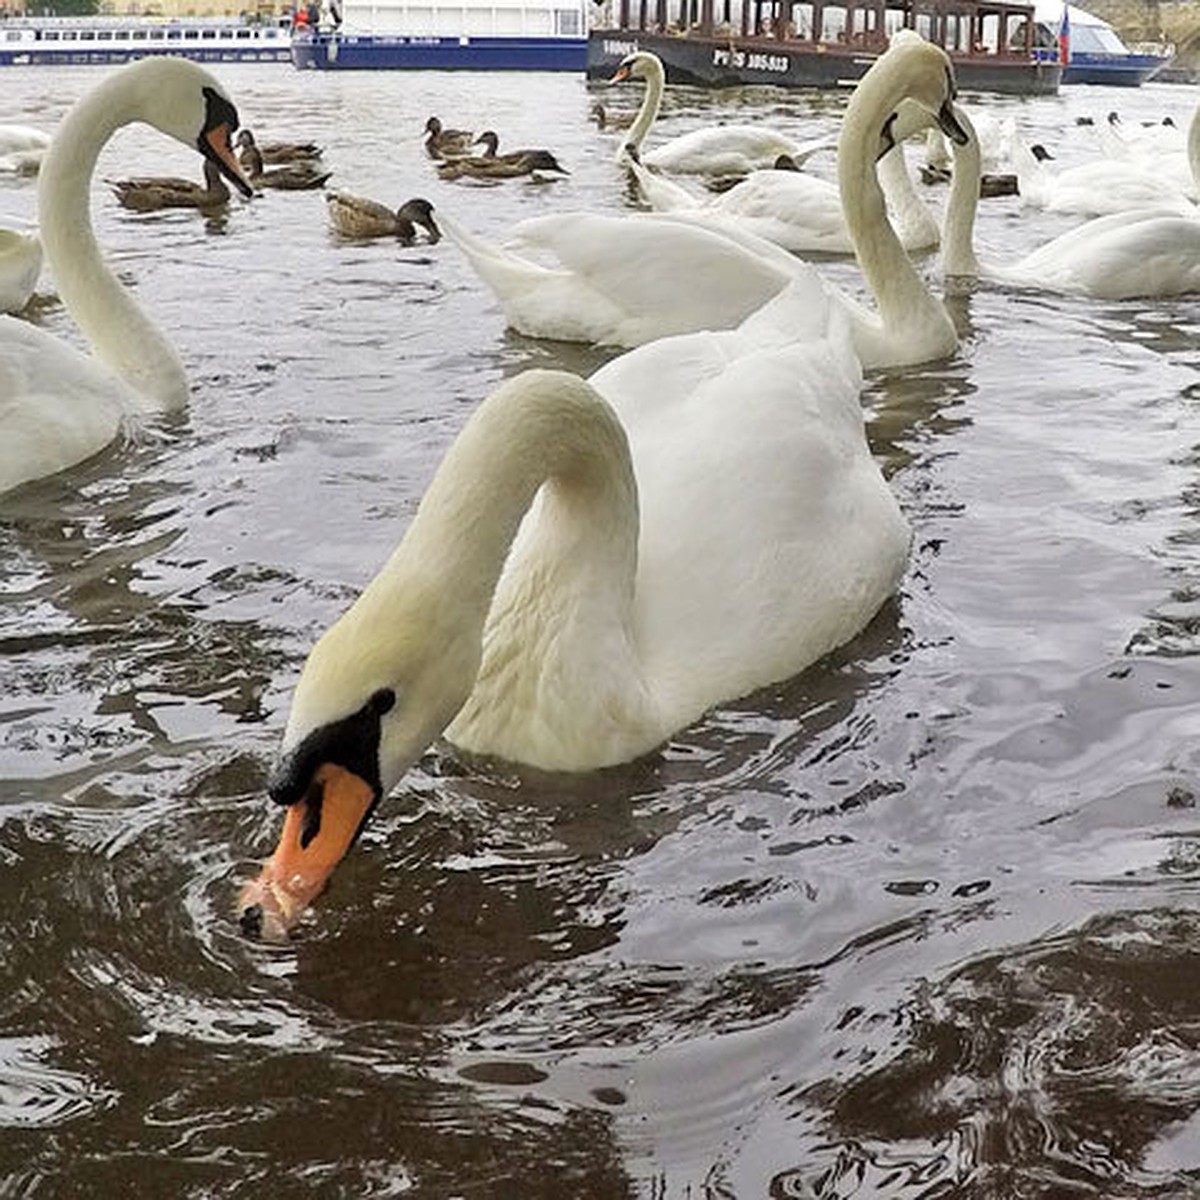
<point x="922" y="922"/>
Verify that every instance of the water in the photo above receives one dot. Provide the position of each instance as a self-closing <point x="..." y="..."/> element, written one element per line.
<point x="922" y="922"/>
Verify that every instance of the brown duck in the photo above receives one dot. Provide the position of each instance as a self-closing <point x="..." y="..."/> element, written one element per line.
<point x="294" y="177"/>
<point x="148" y="193"/>
<point x="274" y="153"/>
<point x="446" y="143"/>
<point x="357" y="217"/>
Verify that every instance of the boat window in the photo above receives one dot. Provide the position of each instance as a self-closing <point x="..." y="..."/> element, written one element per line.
<point x="139" y="35"/>
<point x="191" y="34"/>
<point x="68" y="35"/>
<point x="243" y="33"/>
<point x="87" y="36"/>
<point x="566" y="22"/>
<point x="51" y="35"/>
<point x="103" y="36"/>
<point x="173" y="35"/>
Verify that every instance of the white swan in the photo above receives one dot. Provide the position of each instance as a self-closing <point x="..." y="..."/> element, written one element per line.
<point x="713" y="150"/>
<point x="58" y="406"/>
<point x="1147" y="252"/>
<point x="626" y="280"/>
<point x="1096" y="188"/>
<point x="580" y="581"/>
<point x="20" y="266"/>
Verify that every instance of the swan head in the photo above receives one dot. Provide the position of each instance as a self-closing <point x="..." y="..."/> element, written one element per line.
<point x="181" y="99"/>
<point x="641" y="64"/>
<point x="923" y="77"/>
<point x="378" y="688"/>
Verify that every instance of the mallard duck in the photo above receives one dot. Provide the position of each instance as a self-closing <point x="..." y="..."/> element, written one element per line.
<point x="490" y="165"/>
<point x="444" y="143"/>
<point x="357" y="217"/>
<point x="279" y="152"/>
<point x="147" y="193"/>
<point x="611" y="120"/>
<point x="295" y="177"/>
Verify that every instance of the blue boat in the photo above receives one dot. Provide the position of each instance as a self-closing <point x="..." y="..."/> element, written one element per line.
<point x="389" y="35"/>
<point x="1090" y="49"/>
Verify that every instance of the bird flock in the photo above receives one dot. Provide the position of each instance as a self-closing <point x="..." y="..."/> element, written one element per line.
<point x="598" y="561"/>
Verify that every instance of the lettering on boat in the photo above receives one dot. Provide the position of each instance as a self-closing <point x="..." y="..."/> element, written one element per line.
<point x="753" y="60"/>
<point x="619" y="49"/>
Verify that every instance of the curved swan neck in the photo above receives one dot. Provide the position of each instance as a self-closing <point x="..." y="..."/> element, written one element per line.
<point x="899" y="291"/>
<point x="647" y="113"/>
<point x="958" y="237"/>
<point x="1193" y="147"/>
<point x="120" y="334"/>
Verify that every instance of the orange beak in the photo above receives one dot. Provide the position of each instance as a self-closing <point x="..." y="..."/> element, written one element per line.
<point x="317" y="832"/>
<point x="219" y="147"/>
<point x="622" y="73"/>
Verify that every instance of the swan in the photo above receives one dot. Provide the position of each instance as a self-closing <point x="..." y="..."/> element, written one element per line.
<point x="625" y="280"/>
<point x="1146" y="252"/>
<point x="20" y="266"/>
<point x="58" y="406"/>
<point x="802" y="213"/>
<point x="14" y="138"/>
<point x="596" y="563"/>
<point x="714" y="150"/>
<point x="1093" y="189"/>
<point x="357" y="217"/>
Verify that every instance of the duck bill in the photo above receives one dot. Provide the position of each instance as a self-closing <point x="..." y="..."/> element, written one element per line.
<point x="216" y="145"/>
<point x="317" y="832"/>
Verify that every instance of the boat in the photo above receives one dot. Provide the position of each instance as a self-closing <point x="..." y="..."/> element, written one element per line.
<point x="57" y="41"/>
<point x="820" y="43"/>
<point x="1090" y="49"/>
<point x="470" y="35"/>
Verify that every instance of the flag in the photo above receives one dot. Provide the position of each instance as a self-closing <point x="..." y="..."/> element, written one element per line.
<point x="1064" y="36"/>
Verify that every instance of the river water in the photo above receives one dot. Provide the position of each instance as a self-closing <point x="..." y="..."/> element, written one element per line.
<point x="921" y="922"/>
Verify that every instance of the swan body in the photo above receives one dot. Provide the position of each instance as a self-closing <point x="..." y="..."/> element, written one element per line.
<point x="802" y="213"/>
<point x="357" y="217"/>
<point x="714" y="150"/>
<point x="1095" y="188"/>
<point x="151" y="193"/>
<point x="1147" y="252"/>
<point x="14" y="138"/>
<point x="20" y="266"/>
<point x="57" y="404"/>
<point x="596" y="563"/>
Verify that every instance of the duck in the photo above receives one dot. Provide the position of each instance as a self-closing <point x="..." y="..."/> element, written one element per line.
<point x="20" y="266"/>
<point x="61" y="405"/>
<point x="443" y="143"/>
<point x="598" y="562"/>
<point x="510" y="166"/>
<point x="357" y="217"/>
<point x="605" y="118"/>
<point x="274" y="153"/>
<point x="714" y="150"/>
<point x="628" y="279"/>
<point x="150" y="193"/>
<point x="300" y="176"/>
<point x="1120" y="256"/>
<point x="800" y="212"/>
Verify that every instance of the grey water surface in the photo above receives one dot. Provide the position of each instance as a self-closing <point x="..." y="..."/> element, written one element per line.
<point x="922" y="922"/>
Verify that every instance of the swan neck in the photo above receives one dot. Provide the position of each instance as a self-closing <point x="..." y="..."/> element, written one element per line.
<point x="117" y="330"/>
<point x="1193" y="147"/>
<point x="958" y="237"/>
<point x="647" y="112"/>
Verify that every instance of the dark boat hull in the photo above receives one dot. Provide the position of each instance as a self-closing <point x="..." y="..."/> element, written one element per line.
<point x="740" y="62"/>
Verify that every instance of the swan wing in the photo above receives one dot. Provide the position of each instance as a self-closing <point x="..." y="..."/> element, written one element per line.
<point x="720" y="150"/>
<point x="672" y="273"/>
<point x="1118" y="257"/>
<point x="801" y="213"/>
<point x="57" y="405"/>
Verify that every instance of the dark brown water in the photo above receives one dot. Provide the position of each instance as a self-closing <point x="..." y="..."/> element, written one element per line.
<point x="920" y="923"/>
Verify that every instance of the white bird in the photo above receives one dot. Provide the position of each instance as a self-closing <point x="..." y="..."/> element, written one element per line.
<point x="58" y="405"/>
<point x="20" y="266"/>
<point x="22" y="137"/>
<point x="1093" y="189"/>
<point x="800" y="212"/>
<point x="1146" y="252"/>
<point x="625" y="280"/>
<point x="596" y="564"/>
<point x="714" y="150"/>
